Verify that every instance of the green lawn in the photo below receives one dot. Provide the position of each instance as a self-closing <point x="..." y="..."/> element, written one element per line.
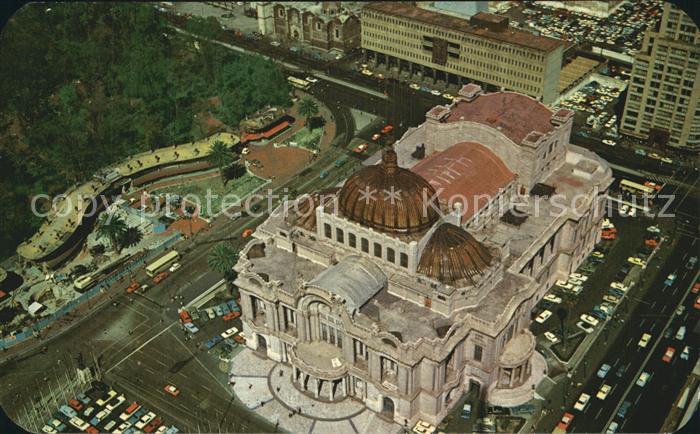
<point x="212" y="194"/>
<point x="305" y="138"/>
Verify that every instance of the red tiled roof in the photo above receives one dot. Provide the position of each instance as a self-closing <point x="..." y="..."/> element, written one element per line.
<point x="463" y="172"/>
<point x="513" y="114"/>
<point x="276" y="129"/>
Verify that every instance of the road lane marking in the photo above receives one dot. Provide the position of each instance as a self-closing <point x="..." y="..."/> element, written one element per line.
<point x="616" y="362"/>
<point x="629" y="341"/>
<point x="653" y="305"/>
<point x="641" y="323"/>
<point x="636" y="400"/>
<point x="140" y="347"/>
<point x="597" y="415"/>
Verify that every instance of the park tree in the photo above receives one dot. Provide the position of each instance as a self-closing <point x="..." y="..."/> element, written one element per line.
<point x="221" y="157"/>
<point x="131" y="237"/>
<point x="308" y="108"/>
<point x="222" y="258"/>
<point x="113" y="228"/>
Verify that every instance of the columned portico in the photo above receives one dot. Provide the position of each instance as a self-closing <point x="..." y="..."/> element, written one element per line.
<point x="319" y="370"/>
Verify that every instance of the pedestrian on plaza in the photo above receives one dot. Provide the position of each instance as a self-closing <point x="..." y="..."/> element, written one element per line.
<point x="250" y="386"/>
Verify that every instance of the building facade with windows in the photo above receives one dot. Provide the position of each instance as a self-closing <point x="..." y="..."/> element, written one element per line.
<point x="453" y="49"/>
<point x="414" y="281"/>
<point x="324" y="25"/>
<point x="663" y="95"/>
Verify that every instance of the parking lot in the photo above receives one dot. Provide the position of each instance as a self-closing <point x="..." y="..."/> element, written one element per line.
<point x="104" y="409"/>
<point x="621" y="31"/>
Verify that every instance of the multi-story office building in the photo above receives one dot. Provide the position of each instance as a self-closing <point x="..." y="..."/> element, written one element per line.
<point x="415" y="280"/>
<point x="452" y="49"/>
<point x="664" y="89"/>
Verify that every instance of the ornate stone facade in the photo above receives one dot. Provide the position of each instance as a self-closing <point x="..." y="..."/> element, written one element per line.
<point x="406" y="317"/>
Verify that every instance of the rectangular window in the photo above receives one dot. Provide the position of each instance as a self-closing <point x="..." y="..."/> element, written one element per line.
<point x="390" y="255"/>
<point x="365" y="245"/>
<point x="327" y="230"/>
<point x="404" y="260"/>
<point x="478" y="352"/>
<point x="352" y="240"/>
<point x="377" y="250"/>
<point x="339" y="235"/>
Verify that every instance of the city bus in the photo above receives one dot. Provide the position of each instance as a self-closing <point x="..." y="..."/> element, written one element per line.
<point x="298" y="82"/>
<point x="154" y="267"/>
<point x="636" y="189"/>
<point x="82" y="283"/>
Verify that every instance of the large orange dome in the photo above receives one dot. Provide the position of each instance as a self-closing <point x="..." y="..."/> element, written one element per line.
<point x="389" y="198"/>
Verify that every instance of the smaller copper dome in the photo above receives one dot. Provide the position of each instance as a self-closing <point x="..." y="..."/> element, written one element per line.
<point x="452" y="255"/>
<point x="389" y="198"/>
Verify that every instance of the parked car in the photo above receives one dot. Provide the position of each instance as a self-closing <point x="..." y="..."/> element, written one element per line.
<point x="172" y="390"/>
<point x="552" y="298"/>
<point x="589" y="319"/>
<point x="685" y="354"/>
<point x="551" y="337"/>
<point x="543" y="316"/>
<point x="190" y="327"/>
<point x="132" y="287"/>
<point x="229" y="332"/>
<point x="603" y="371"/>
<point x="680" y="334"/>
<point x="585" y="327"/>
<point x="622" y="411"/>
<point x="565" y="421"/>
<point x="175" y="266"/>
<point x="582" y="402"/>
<point x="160" y="277"/>
<point x="643" y="379"/>
<point x="612" y="428"/>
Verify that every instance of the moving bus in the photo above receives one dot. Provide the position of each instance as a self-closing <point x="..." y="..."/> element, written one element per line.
<point x="298" y="83"/>
<point x="82" y="283"/>
<point x="636" y="189"/>
<point x="162" y="262"/>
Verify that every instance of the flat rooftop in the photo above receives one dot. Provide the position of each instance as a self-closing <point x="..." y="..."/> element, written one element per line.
<point x="511" y="35"/>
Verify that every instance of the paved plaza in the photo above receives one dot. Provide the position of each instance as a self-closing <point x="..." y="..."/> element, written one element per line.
<point x="265" y="387"/>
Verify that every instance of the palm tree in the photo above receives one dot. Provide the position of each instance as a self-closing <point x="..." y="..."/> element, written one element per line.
<point x="113" y="228"/>
<point x="221" y="157"/>
<point x="222" y="258"/>
<point x="131" y="237"/>
<point x="308" y="108"/>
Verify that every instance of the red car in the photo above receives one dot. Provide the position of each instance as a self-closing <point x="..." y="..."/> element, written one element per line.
<point x="246" y="233"/>
<point x="651" y="242"/>
<point x="231" y="315"/>
<point x="668" y="355"/>
<point x="185" y="317"/>
<point x="92" y="430"/>
<point x="239" y="339"/>
<point x="566" y="420"/>
<point x="152" y="425"/>
<point x="133" y="287"/>
<point x="75" y="404"/>
<point x="172" y="390"/>
<point x="376" y="137"/>
<point x="361" y="148"/>
<point x="387" y="129"/>
<point x="160" y="276"/>
<point x="697" y="303"/>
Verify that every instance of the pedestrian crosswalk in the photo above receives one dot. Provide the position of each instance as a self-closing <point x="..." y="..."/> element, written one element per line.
<point x="658" y="179"/>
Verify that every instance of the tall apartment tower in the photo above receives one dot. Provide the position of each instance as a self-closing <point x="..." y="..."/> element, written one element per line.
<point x="663" y="95"/>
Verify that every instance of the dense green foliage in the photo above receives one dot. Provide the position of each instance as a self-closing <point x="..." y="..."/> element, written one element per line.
<point x="222" y="258"/>
<point x="86" y="84"/>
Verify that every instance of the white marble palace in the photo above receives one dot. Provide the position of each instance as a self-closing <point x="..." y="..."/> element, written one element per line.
<point x="413" y="281"/>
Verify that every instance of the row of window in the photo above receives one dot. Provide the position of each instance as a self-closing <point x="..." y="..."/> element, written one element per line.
<point x="377" y="248"/>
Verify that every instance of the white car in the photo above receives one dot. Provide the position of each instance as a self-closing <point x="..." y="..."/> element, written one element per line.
<point x="79" y="423"/>
<point x="654" y="229"/>
<point x="175" y="266"/>
<point x="123" y="427"/>
<point x="644" y="340"/>
<point x="414" y="86"/>
<point x="578" y="276"/>
<point x="680" y="334"/>
<point x="48" y="429"/>
<point x="144" y="420"/>
<point x="245" y="151"/>
<point x="575" y="282"/>
<point x="448" y="96"/>
<point x="612" y="428"/>
<point x="311" y="79"/>
<point x="577" y="289"/>
<point x="636" y="261"/>
<point x="109" y="425"/>
<point x="589" y="319"/>
<point x="114" y="404"/>
<point x="680" y="310"/>
<point x="338" y="56"/>
<point x="564" y="284"/>
<point x="229" y="332"/>
<point x="275" y="43"/>
<point x="552" y="298"/>
<point x="632" y="212"/>
<point x="111" y="394"/>
<point x="543" y="316"/>
<point x="551" y="337"/>
<point x="608" y="141"/>
<point x="620" y="286"/>
<point x="585" y="327"/>
<point x="582" y="402"/>
<point x="436" y="92"/>
<point x="603" y="392"/>
<point x="643" y="379"/>
<point x="611" y="298"/>
<point x="367" y="72"/>
<point x="685" y="354"/>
